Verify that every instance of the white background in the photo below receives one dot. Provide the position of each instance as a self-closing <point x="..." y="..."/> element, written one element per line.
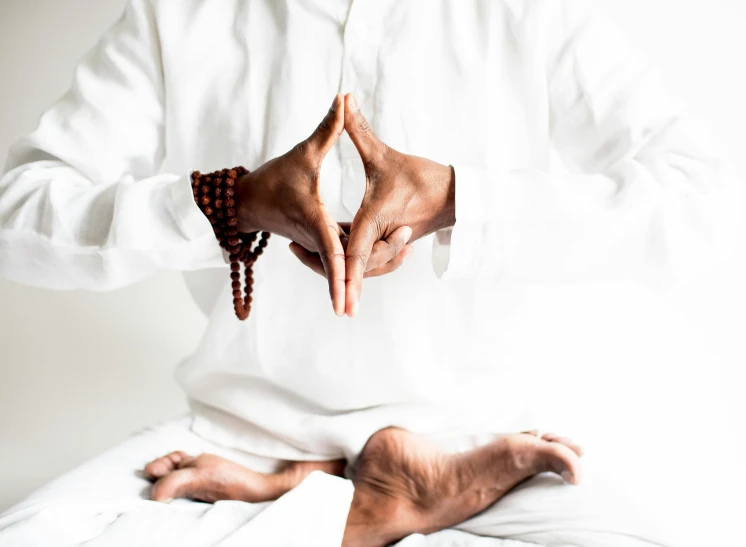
<point x="79" y="371"/>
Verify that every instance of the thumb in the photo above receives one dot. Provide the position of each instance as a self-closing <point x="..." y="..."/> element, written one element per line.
<point x="328" y="131"/>
<point x="366" y="142"/>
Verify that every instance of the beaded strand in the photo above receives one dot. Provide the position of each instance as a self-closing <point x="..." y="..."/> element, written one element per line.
<point x="214" y="195"/>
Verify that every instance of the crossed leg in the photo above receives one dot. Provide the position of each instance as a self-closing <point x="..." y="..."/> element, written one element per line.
<point x="403" y="484"/>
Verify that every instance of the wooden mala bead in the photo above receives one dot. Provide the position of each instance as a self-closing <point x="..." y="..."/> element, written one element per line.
<point x="213" y="194"/>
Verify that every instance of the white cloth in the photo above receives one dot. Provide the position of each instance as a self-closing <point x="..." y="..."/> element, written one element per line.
<point x="104" y="503"/>
<point x="492" y="87"/>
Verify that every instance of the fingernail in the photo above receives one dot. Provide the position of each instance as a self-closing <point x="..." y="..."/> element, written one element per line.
<point x="567" y="476"/>
<point x="167" y="500"/>
<point x="355" y="307"/>
<point x="334" y="104"/>
<point x="407" y="234"/>
<point x="353" y="103"/>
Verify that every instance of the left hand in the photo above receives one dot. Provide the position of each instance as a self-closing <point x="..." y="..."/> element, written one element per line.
<point x="401" y="190"/>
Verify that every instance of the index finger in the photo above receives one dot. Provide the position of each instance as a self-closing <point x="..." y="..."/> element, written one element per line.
<point x="363" y="236"/>
<point x="333" y="259"/>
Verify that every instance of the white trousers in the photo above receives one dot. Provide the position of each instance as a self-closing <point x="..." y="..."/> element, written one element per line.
<point x="105" y="502"/>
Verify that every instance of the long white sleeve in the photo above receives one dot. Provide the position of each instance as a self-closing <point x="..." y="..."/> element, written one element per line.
<point x="639" y="195"/>
<point x="81" y="204"/>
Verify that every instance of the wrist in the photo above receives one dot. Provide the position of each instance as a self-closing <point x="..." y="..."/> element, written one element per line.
<point x="247" y="204"/>
<point x="445" y="206"/>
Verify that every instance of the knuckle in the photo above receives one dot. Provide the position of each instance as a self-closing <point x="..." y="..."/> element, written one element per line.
<point x="328" y="255"/>
<point x="362" y="261"/>
<point x="325" y="126"/>
<point x="380" y="222"/>
<point x="356" y="261"/>
<point x="305" y="159"/>
<point x="364" y="126"/>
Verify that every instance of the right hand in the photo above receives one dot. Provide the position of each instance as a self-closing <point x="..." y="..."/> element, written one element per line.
<point x="282" y="197"/>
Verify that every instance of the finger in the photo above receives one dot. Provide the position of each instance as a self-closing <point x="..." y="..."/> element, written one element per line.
<point x="333" y="258"/>
<point x="367" y="143"/>
<point x="363" y="235"/>
<point x="313" y="262"/>
<point x="393" y="264"/>
<point x="328" y="131"/>
<point x="386" y="249"/>
<point x="309" y="259"/>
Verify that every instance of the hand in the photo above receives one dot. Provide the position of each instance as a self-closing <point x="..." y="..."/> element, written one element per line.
<point x="282" y="197"/>
<point x="401" y="190"/>
<point x="395" y="245"/>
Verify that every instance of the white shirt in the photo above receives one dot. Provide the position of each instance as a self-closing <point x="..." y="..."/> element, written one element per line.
<point x="98" y="196"/>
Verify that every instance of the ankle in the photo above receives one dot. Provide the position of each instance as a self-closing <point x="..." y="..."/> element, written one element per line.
<point x="294" y="473"/>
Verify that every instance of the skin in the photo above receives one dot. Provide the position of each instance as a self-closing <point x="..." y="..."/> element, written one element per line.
<point x="403" y="484"/>
<point x="401" y="190"/>
<point x="282" y="197"/>
<point x="406" y="198"/>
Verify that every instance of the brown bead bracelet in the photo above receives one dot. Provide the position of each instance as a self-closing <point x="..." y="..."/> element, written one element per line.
<point x="214" y="194"/>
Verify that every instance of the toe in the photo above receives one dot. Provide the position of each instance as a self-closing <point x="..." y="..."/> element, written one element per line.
<point x="158" y="468"/>
<point x="162" y="466"/>
<point x="569" y="443"/>
<point x="179" y="484"/>
<point x="179" y="458"/>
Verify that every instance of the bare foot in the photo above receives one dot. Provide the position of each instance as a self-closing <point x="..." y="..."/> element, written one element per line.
<point x="211" y="478"/>
<point x="404" y="485"/>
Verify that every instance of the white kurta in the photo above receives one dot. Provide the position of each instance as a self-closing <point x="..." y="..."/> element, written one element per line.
<point x="98" y="196"/>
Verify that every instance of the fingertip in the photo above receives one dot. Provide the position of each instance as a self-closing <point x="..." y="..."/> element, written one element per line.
<point x="351" y="301"/>
<point x="339" y="113"/>
<point x="336" y="102"/>
<point x="351" y="102"/>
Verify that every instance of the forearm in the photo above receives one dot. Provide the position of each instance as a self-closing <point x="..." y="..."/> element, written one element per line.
<point x="645" y="218"/>
<point x="62" y="231"/>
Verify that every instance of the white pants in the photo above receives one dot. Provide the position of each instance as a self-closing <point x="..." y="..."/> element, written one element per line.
<point x="105" y="503"/>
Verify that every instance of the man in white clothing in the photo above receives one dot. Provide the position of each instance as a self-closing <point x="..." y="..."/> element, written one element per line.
<point x="444" y="149"/>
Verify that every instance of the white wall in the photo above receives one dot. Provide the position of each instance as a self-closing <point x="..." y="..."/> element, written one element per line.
<point x="78" y="371"/>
